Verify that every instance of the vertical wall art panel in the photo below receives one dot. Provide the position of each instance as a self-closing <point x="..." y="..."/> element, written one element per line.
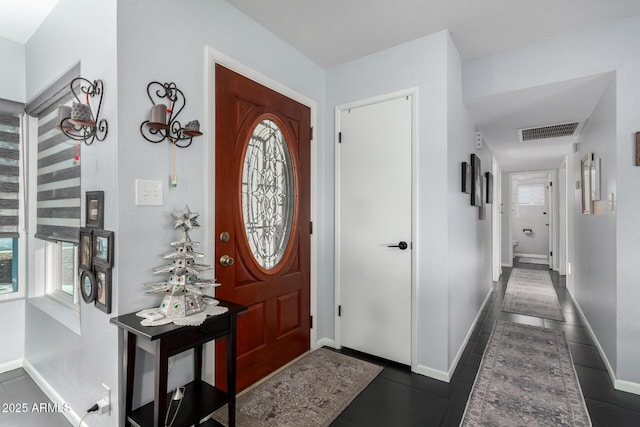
<point x="466" y="177"/>
<point x="476" y="184"/>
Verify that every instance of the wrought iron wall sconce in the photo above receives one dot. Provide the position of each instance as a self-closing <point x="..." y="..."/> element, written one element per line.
<point x="163" y="123"/>
<point x="79" y="122"/>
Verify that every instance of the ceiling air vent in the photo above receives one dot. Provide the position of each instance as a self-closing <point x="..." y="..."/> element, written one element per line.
<point x="551" y="131"/>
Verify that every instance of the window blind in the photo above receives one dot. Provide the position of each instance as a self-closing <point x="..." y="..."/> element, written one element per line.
<point x="59" y="193"/>
<point x="9" y="170"/>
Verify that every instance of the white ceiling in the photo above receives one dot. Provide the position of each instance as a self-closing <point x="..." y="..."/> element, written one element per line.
<point x="500" y="117"/>
<point x="330" y="32"/>
<point x="19" y="19"/>
<point x="334" y="31"/>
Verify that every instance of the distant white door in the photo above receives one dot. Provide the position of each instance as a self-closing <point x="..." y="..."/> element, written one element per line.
<point x="374" y="228"/>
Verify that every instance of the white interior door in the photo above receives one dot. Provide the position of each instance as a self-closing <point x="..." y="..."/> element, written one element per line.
<point x="374" y="228"/>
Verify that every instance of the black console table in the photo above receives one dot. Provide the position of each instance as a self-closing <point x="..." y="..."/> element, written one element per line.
<point x="200" y="398"/>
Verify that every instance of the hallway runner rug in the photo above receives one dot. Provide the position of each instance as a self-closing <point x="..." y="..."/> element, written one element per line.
<point x="531" y="292"/>
<point x="526" y="378"/>
<point x="311" y="392"/>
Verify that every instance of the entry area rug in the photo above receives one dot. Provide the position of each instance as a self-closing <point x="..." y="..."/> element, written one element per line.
<point x="531" y="292"/>
<point x="311" y="392"/>
<point x="526" y="378"/>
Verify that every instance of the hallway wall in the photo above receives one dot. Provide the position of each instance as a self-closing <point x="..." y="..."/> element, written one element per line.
<point x="599" y="49"/>
<point x="594" y="236"/>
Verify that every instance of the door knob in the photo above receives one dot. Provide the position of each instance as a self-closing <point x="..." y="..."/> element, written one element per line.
<point x="402" y="245"/>
<point x="226" y="260"/>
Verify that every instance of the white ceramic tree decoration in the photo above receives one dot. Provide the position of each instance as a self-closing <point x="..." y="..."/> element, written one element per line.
<point x="182" y="289"/>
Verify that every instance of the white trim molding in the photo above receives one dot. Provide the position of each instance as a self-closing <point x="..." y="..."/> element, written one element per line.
<point x="628" y="386"/>
<point x="325" y="342"/>
<point x="11" y="365"/>
<point x="446" y="376"/>
<point x="51" y="393"/>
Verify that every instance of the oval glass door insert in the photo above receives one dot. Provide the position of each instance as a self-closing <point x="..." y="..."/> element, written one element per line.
<point x="267" y="194"/>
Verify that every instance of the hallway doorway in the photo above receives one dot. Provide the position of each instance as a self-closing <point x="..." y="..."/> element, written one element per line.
<point x="531" y="221"/>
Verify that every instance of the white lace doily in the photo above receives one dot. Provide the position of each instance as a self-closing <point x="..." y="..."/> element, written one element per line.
<point x="149" y="316"/>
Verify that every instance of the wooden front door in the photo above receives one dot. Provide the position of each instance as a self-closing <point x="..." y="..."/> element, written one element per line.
<point x="262" y="223"/>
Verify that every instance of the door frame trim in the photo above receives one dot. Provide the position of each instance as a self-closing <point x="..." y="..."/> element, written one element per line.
<point x="413" y="93"/>
<point x="213" y="57"/>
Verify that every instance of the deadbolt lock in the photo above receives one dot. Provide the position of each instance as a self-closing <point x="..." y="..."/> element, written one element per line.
<point x="224" y="236"/>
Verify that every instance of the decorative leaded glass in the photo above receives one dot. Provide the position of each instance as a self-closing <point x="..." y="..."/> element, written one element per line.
<point x="267" y="194"/>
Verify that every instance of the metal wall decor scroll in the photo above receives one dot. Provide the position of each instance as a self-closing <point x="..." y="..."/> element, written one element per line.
<point x="78" y="121"/>
<point x="167" y="103"/>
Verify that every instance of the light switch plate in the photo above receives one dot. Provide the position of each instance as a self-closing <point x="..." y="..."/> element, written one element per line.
<point x="148" y="192"/>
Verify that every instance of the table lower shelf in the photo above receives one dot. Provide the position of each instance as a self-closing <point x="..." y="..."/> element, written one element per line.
<point x="200" y="400"/>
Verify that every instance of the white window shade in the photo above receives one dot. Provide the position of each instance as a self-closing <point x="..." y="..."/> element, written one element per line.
<point x="531" y="194"/>
<point x="59" y="193"/>
<point x="9" y="173"/>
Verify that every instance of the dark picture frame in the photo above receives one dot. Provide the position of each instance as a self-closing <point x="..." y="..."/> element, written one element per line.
<point x="488" y="177"/>
<point x="94" y="209"/>
<point x="103" y="247"/>
<point x="466" y="177"/>
<point x="476" y="181"/>
<point x="85" y="249"/>
<point x="103" y="284"/>
<point x="88" y="286"/>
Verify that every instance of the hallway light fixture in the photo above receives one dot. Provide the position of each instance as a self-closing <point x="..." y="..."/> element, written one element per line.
<point x="78" y="121"/>
<point x="167" y="103"/>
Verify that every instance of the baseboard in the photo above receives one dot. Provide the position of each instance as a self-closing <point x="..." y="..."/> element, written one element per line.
<point x="628" y="386"/>
<point x="522" y="255"/>
<point x="622" y="385"/>
<point x="432" y="373"/>
<point x="510" y="265"/>
<point x="325" y="342"/>
<point x="446" y="376"/>
<point x="456" y="359"/>
<point x="53" y="395"/>
<point x="11" y="365"/>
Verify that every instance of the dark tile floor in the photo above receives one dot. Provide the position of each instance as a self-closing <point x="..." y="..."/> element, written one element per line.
<point x="24" y="404"/>
<point x="399" y="398"/>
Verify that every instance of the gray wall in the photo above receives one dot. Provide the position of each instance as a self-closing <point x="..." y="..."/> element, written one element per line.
<point x="12" y="88"/>
<point x="75" y="365"/>
<point x="12" y="72"/>
<point x="594" y="236"/>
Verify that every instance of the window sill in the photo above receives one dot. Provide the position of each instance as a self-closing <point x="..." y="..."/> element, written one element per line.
<point x="66" y="315"/>
<point x="11" y="296"/>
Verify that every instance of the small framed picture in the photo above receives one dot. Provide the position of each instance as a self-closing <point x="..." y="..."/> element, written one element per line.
<point x="476" y="181"/>
<point x="488" y="187"/>
<point x="103" y="247"/>
<point x="85" y="252"/>
<point x="103" y="285"/>
<point x="466" y="177"/>
<point x="88" y="286"/>
<point x="95" y="209"/>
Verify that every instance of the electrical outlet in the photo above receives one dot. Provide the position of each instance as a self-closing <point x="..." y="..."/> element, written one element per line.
<point x="104" y="405"/>
<point x="148" y="192"/>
